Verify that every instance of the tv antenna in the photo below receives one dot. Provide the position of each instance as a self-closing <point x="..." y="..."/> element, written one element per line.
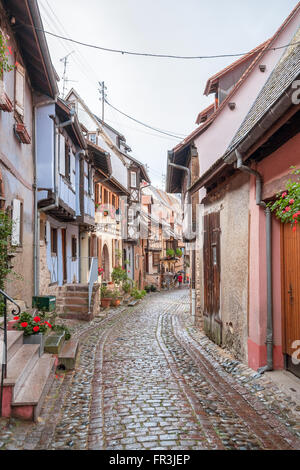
<point x="64" y="77"/>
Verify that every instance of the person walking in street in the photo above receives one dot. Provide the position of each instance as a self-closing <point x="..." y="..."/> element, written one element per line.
<point x="179" y="279"/>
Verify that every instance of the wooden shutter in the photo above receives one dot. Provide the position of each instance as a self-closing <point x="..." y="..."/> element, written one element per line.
<point x="211" y="266"/>
<point x="16" y="218"/>
<point x="19" y="89"/>
<point x="62" y="162"/>
<point x="72" y="157"/>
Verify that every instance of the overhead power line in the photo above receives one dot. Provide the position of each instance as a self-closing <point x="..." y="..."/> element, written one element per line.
<point x="149" y="54"/>
<point x="145" y="125"/>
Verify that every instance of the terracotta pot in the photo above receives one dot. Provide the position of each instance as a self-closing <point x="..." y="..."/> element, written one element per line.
<point x="105" y="302"/>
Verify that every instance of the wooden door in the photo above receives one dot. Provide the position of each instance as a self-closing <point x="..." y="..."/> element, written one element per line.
<point x="211" y="266"/>
<point x="290" y="292"/>
<point x="64" y="254"/>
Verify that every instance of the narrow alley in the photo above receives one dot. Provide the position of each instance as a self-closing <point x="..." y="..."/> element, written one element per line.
<point x="145" y="379"/>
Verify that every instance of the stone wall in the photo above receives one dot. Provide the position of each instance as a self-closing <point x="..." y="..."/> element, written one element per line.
<point x="231" y="199"/>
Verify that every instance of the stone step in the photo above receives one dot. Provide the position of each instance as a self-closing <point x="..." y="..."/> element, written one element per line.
<point x="54" y="343"/>
<point x="14" y="342"/>
<point x="29" y="400"/>
<point x="76" y="300"/>
<point x="68" y="353"/>
<point x="19" y="367"/>
<point x="76" y="316"/>
<point x="75" y="308"/>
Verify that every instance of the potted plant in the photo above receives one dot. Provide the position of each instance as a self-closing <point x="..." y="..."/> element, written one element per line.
<point x="170" y="253"/>
<point x="178" y="252"/>
<point x="116" y="300"/>
<point x="34" y="329"/>
<point x="105" y="297"/>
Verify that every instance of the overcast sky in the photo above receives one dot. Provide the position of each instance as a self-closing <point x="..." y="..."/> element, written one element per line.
<point x="164" y="93"/>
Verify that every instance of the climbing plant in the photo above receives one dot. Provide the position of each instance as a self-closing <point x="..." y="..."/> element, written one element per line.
<point x="4" y="53"/>
<point x="5" y="251"/>
<point x="287" y="204"/>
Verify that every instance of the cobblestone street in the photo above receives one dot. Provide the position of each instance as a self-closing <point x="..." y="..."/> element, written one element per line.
<point x="146" y="378"/>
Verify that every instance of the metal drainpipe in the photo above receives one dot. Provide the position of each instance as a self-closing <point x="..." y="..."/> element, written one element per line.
<point x="188" y="171"/>
<point x="259" y="202"/>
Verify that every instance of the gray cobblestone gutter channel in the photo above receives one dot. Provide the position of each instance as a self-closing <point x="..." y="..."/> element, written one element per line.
<point x="145" y="378"/>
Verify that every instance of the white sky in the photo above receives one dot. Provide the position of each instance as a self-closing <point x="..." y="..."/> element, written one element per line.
<point x="165" y="93"/>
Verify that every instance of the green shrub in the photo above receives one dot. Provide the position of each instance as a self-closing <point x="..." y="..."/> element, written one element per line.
<point x="127" y="286"/>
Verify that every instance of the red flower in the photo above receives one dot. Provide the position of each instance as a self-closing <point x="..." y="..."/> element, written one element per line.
<point x="36" y="328"/>
<point x="50" y="326"/>
<point x="24" y="324"/>
<point x="16" y="318"/>
<point x="37" y="319"/>
<point x="292" y="201"/>
<point x="287" y="209"/>
<point x="284" y="194"/>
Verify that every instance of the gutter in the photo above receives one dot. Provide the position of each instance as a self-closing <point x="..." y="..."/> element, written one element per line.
<point x="269" y="339"/>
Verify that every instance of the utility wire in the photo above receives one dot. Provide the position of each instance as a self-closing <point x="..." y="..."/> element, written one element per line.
<point x="143" y="124"/>
<point x="148" y="54"/>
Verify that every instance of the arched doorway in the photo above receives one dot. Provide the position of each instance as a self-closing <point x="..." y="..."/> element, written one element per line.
<point x="105" y="263"/>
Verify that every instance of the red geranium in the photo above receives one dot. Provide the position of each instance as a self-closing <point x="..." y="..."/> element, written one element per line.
<point x="24" y="324"/>
<point x="36" y="328"/>
<point x="16" y="318"/>
<point x="37" y="319"/>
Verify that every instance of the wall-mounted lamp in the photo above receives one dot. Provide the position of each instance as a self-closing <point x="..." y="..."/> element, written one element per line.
<point x="262" y="67"/>
<point x="231" y="106"/>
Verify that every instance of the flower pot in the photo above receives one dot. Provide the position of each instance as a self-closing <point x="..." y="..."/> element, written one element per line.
<point x="38" y="338"/>
<point x="105" y="303"/>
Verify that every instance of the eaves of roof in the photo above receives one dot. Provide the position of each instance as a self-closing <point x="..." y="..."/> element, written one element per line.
<point x="211" y="82"/>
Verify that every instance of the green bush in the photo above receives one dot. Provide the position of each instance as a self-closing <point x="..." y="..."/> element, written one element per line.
<point x="153" y="288"/>
<point x="119" y="275"/>
<point x="170" y="252"/>
<point x="127" y="286"/>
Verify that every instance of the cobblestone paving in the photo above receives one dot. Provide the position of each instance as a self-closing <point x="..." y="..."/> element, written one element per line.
<point x="145" y="378"/>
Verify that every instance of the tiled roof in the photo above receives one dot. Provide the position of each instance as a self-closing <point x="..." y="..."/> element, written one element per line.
<point x="286" y="71"/>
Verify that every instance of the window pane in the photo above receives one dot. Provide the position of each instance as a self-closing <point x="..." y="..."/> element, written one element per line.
<point x="133" y="179"/>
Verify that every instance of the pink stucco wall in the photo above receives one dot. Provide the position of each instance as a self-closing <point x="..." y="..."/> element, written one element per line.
<point x="212" y="144"/>
<point x="272" y="168"/>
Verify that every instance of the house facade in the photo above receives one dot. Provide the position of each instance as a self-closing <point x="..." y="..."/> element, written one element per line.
<point x="65" y="195"/>
<point x="223" y="248"/>
<point x="22" y="90"/>
<point x="267" y="146"/>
